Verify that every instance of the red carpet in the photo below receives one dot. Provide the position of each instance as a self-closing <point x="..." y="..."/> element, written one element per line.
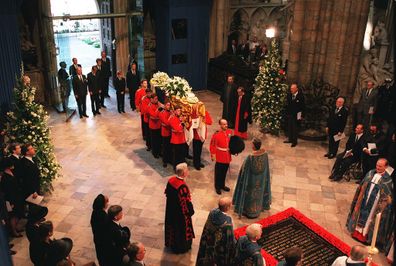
<point x="311" y="237"/>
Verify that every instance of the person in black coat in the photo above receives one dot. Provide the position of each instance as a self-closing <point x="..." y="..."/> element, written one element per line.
<point x="133" y="83"/>
<point x="119" y="236"/>
<point x="101" y="81"/>
<point x="13" y="194"/>
<point x="294" y="111"/>
<point x="35" y="217"/>
<point x="30" y="172"/>
<point x="80" y="92"/>
<point x="241" y="113"/>
<point x="99" y="223"/>
<point x="335" y="126"/>
<point x="243" y="50"/>
<point x="39" y="250"/>
<point x="15" y="150"/>
<point x="353" y="153"/>
<point x="119" y="86"/>
<point x="106" y="71"/>
<point x="94" y="91"/>
<point x="371" y="155"/>
<point x="73" y="68"/>
<point x="228" y="98"/>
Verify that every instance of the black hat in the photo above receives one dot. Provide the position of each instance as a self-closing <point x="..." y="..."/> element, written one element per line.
<point x="37" y="213"/>
<point x="236" y="145"/>
<point x="59" y="249"/>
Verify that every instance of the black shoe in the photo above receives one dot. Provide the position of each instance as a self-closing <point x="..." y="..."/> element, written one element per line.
<point x="294" y="145"/>
<point x="197" y="168"/>
<point x="164" y="165"/>
<point x="156" y="156"/>
<point x="326" y="155"/>
<point x="119" y="112"/>
<point x="331" y="156"/>
<point x="104" y="106"/>
<point x="287" y="141"/>
<point x="98" y="113"/>
<point x="218" y="191"/>
<point x="123" y="111"/>
<point x="331" y="177"/>
<point x="225" y="188"/>
<point x="94" y="114"/>
<point x="202" y="165"/>
<point x="81" y="116"/>
<point x="85" y="115"/>
<point x="189" y="157"/>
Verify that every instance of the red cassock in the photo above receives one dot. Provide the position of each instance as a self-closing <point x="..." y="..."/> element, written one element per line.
<point x="219" y="146"/>
<point x="165" y="128"/>
<point x="139" y="94"/>
<point x="144" y="108"/>
<point x="208" y="121"/>
<point x="178" y="136"/>
<point x="154" y="121"/>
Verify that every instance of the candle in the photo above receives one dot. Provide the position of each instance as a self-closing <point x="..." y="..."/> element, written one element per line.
<point x="376" y="226"/>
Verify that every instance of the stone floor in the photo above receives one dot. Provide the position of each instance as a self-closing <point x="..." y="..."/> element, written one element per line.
<point x="98" y="156"/>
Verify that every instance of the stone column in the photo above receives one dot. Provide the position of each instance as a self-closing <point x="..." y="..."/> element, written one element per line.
<point x="295" y="41"/>
<point x="220" y="14"/>
<point x="212" y="31"/>
<point x="121" y="35"/>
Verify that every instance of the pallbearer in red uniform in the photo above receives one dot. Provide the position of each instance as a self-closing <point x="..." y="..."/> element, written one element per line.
<point x="242" y="114"/>
<point x="146" y="100"/>
<point x="155" y="125"/>
<point x="140" y="93"/>
<point x="220" y="152"/>
<point x="166" y="134"/>
<point x="178" y="139"/>
<point x="200" y="135"/>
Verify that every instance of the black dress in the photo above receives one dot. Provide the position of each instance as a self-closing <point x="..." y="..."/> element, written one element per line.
<point x="99" y="223"/>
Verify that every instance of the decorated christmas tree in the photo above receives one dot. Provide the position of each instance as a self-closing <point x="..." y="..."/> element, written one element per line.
<point x="28" y="123"/>
<point x="270" y="92"/>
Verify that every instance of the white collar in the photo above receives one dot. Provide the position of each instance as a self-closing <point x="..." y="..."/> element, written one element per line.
<point x="29" y="158"/>
<point x="179" y="177"/>
<point x="349" y="260"/>
<point x="359" y="135"/>
<point x="16" y="156"/>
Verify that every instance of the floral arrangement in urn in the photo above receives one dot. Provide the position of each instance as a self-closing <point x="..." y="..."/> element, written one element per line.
<point x="160" y="79"/>
<point x="28" y="123"/>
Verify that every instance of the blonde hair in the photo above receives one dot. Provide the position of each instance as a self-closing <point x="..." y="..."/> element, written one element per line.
<point x="254" y="231"/>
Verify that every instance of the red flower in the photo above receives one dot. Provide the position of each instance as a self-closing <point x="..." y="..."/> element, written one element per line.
<point x="281" y="71"/>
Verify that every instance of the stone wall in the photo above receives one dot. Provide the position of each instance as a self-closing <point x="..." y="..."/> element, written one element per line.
<point x="326" y="42"/>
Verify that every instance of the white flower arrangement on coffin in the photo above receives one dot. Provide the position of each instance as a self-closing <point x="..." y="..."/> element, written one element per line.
<point x="160" y="79"/>
<point x="178" y="87"/>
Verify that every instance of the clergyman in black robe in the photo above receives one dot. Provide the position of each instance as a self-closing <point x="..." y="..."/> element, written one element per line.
<point x="228" y="96"/>
<point x="179" y="231"/>
<point x="241" y="113"/>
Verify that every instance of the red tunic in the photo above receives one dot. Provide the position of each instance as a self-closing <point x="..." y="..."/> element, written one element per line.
<point x="243" y="135"/>
<point x="144" y="108"/>
<point x="177" y="136"/>
<point x="208" y="121"/>
<point x="164" y="118"/>
<point x="219" y="146"/>
<point x="139" y="94"/>
<point x="154" y="121"/>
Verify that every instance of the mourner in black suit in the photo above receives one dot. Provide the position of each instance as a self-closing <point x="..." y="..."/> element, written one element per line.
<point x="243" y="50"/>
<point x="353" y="153"/>
<point x="30" y="172"/>
<point x="294" y="111"/>
<point x="15" y="151"/>
<point x="118" y="235"/>
<point x="94" y="91"/>
<point x="367" y="105"/>
<point x="106" y="69"/>
<point x="133" y="83"/>
<point x="80" y="92"/>
<point x="372" y="154"/>
<point x="73" y="68"/>
<point x="101" y="81"/>
<point x="335" y="126"/>
<point x="136" y="252"/>
<point x="119" y="86"/>
<point x="99" y="223"/>
<point x="232" y="48"/>
<point x="228" y="97"/>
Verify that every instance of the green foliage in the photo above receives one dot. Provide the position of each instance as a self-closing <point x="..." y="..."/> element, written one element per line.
<point x="270" y="92"/>
<point x="27" y="123"/>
